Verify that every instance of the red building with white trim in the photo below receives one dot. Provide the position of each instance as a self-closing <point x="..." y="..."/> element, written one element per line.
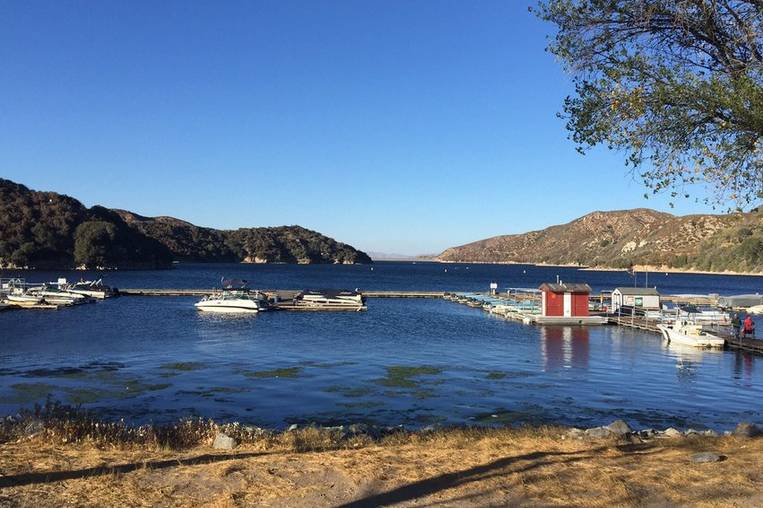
<point x="564" y="300"/>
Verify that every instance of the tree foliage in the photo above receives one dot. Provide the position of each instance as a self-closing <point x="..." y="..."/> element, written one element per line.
<point x="677" y="84"/>
<point x="93" y="243"/>
<point x="45" y="229"/>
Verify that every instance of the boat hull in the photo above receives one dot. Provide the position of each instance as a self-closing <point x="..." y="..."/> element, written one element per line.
<point x="226" y="308"/>
<point x="703" y="341"/>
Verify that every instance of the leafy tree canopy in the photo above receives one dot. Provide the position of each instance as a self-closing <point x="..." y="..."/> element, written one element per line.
<point x="677" y="84"/>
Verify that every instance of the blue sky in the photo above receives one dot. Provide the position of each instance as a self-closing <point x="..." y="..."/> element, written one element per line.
<point x="396" y="126"/>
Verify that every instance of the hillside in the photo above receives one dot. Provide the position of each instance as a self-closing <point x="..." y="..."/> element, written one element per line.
<point x="283" y="244"/>
<point x="50" y="230"/>
<point x="620" y="239"/>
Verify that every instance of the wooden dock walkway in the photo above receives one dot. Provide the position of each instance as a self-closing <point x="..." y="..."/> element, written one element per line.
<point x="280" y="293"/>
<point x="638" y="322"/>
<point x="746" y="344"/>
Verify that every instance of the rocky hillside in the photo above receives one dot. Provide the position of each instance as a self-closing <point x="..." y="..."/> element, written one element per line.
<point x="620" y="239"/>
<point x="50" y="230"/>
<point x="283" y="244"/>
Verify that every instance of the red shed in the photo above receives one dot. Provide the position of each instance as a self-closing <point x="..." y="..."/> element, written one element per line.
<point x="567" y="300"/>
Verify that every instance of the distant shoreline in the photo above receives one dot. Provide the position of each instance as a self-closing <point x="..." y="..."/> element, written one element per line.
<point x="635" y="268"/>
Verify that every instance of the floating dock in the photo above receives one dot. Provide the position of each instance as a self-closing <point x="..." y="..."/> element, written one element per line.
<point x="280" y="293"/>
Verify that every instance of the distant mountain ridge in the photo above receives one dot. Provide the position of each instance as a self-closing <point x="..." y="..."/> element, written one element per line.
<point x="282" y="244"/>
<point x="624" y="238"/>
<point x="51" y="230"/>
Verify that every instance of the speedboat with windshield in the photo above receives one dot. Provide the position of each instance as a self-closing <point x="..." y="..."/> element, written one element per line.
<point x="58" y="296"/>
<point x="89" y="288"/>
<point x="234" y="298"/>
<point x="690" y="334"/>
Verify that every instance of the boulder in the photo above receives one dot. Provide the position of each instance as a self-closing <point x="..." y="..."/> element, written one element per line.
<point x="671" y="432"/>
<point x="223" y="442"/>
<point x="745" y="429"/>
<point x="575" y="433"/>
<point x="598" y="433"/>
<point x="704" y="457"/>
<point x="710" y="433"/>
<point x="619" y="427"/>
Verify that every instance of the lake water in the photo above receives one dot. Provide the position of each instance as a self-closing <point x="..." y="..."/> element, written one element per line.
<point x="404" y="361"/>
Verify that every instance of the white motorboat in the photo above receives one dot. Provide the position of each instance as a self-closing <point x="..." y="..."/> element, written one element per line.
<point x="690" y="334"/>
<point x="319" y="298"/>
<point x="236" y="301"/>
<point x="58" y="296"/>
<point x="235" y="297"/>
<point x="92" y="289"/>
<point x="22" y="299"/>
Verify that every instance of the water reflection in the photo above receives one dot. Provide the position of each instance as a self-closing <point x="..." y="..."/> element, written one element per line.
<point x="743" y="366"/>
<point x="565" y="347"/>
<point x="688" y="359"/>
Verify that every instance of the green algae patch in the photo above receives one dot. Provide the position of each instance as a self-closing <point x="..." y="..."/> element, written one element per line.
<point x="369" y="404"/>
<point x="130" y="389"/>
<point x="401" y="376"/>
<point x="288" y="372"/>
<point x="183" y="366"/>
<point x="29" y="392"/>
<point x="89" y="395"/>
<point x="496" y="375"/>
<point x="346" y="391"/>
<point x="326" y="365"/>
<point x="209" y="393"/>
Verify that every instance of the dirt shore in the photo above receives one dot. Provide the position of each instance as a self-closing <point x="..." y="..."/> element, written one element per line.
<point x="528" y="467"/>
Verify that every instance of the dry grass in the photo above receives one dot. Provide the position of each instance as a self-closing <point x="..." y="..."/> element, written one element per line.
<point x="313" y="467"/>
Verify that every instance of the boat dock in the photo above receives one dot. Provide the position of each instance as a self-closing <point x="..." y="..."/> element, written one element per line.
<point x="523" y="305"/>
<point x="272" y="293"/>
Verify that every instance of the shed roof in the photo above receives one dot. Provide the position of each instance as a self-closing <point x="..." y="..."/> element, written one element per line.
<point x="638" y="291"/>
<point x="575" y="287"/>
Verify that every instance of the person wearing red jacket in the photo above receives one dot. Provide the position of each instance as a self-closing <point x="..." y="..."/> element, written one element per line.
<point x="749" y="327"/>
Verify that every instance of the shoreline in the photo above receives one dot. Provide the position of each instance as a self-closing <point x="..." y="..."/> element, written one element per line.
<point x="49" y="463"/>
<point x="635" y="268"/>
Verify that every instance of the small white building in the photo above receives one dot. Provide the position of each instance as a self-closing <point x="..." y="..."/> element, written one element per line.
<point x="639" y="298"/>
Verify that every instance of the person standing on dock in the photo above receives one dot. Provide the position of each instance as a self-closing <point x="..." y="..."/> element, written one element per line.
<point x="736" y="324"/>
<point x="749" y="327"/>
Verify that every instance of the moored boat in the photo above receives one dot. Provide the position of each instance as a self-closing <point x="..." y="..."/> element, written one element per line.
<point x="234" y="298"/>
<point x="92" y="289"/>
<point x="58" y="296"/>
<point x="690" y="334"/>
<point x="330" y="298"/>
<point x="22" y="299"/>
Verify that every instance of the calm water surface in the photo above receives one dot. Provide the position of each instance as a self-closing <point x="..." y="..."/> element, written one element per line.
<point x="410" y="362"/>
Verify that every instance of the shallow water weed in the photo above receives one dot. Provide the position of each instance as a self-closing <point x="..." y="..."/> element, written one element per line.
<point x="28" y="392"/>
<point x="132" y="388"/>
<point x="209" y="393"/>
<point x="368" y="404"/>
<point x="401" y="376"/>
<point x="183" y="366"/>
<point x="496" y="375"/>
<point x="359" y="391"/>
<point x="326" y="365"/>
<point x="286" y="372"/>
